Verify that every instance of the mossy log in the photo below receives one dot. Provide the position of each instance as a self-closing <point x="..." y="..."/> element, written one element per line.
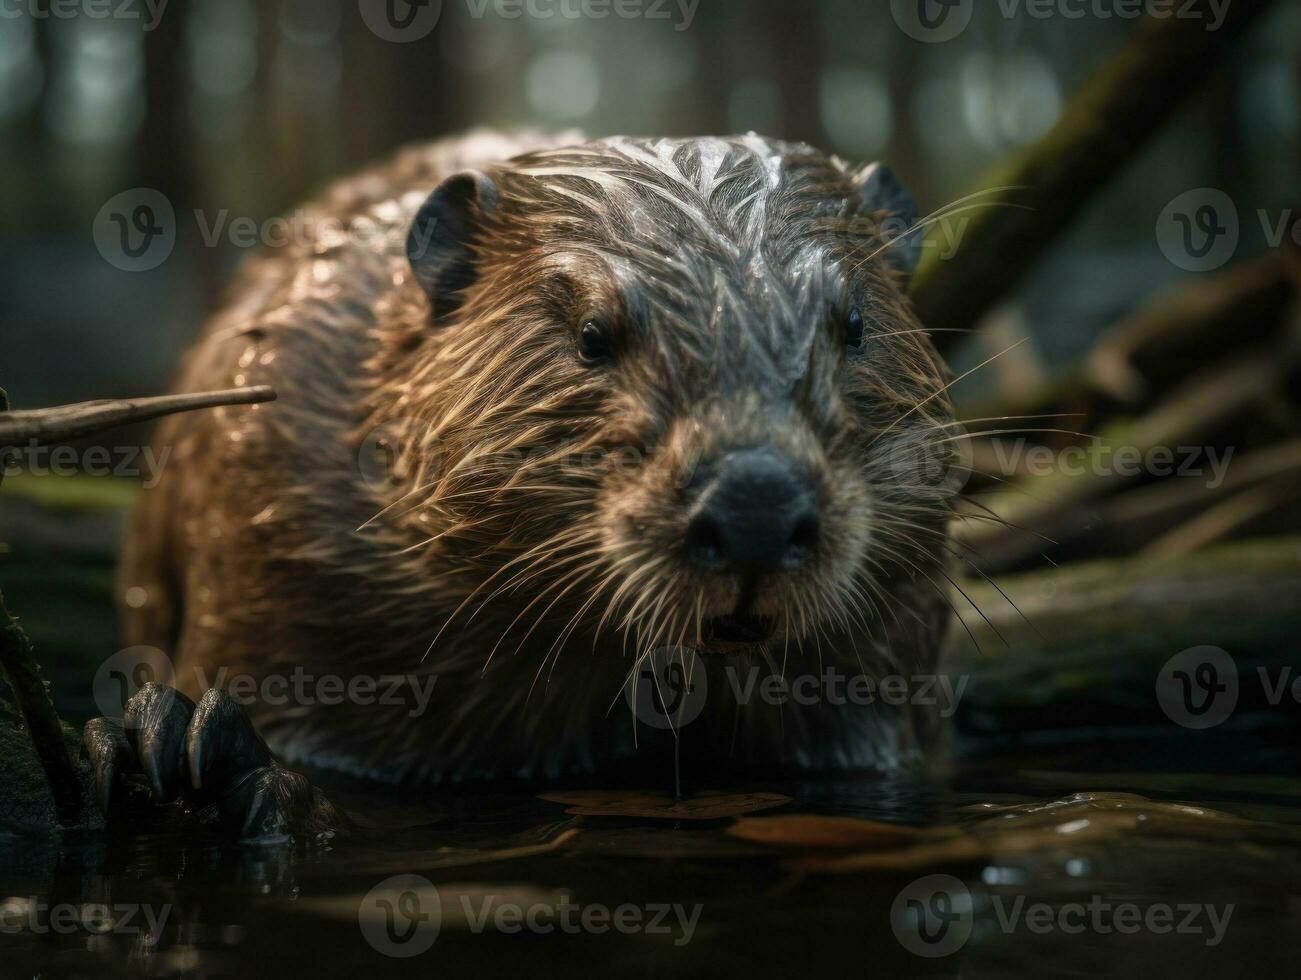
<point x="1115" y="113"/>
<point x="1085" y="643"/>
<point x="1145" y="355"/>
<point x="1208" y="410"/>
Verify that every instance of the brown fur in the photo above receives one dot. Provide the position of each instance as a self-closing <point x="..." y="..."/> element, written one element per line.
<point x="525" y="543"/>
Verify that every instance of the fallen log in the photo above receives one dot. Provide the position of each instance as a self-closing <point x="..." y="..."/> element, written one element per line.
<point x="1040" y="507"/>
<point x="1115" y="113"/>
<point x="1089" y="640"/>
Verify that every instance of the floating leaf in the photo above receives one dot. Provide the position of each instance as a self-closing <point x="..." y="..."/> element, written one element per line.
<point x="807" y="831"/>
<point x="952" y="849"/>
<point x="702" y="806"/>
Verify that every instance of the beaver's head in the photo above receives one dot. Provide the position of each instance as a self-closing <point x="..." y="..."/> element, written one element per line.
<point x="672" y="391"/>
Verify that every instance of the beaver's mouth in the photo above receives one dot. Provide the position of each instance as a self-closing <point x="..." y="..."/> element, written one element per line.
<point x="723" y="634"/>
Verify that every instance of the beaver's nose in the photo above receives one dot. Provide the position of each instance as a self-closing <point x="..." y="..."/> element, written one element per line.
<point x="757" y="514"/>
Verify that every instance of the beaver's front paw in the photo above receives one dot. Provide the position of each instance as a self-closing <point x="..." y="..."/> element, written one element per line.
<point x="208" y="757"/>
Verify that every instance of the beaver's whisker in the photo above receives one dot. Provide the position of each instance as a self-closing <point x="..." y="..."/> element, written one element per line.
<point x="1008" y="599"/>
<point x="631" y="582"/>
<point x="1002" y="418"/>
<point x="1004" y="522"/>
<point x="539" y="548"/>
<point x="948" y="601"/>
<point x="574" y="577"/>
<point x="922" y="330"/>
<point x="384" y="510"/>
<point x="948" y="211"/>
<point x="542" y="666"/>
<point x="558" y="644"/>
<point x="1007" y="432"/>
<point x="438" y="537"/>
<point x="538" y="567"/>
<point x="936" y="394"/>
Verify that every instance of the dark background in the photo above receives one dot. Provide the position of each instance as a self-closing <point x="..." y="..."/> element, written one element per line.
<point x="241" y="109"/>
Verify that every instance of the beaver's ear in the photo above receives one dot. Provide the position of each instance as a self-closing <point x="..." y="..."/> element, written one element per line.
<point x="879" y="191"/>
<point x="439" y="245"/>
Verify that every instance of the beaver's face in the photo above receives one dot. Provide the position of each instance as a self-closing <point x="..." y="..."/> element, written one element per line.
<point x="686" y="400"/>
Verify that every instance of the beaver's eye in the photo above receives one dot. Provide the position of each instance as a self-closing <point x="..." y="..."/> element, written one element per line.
<point x="594" y="343"/>
<point x="854" y="329"/>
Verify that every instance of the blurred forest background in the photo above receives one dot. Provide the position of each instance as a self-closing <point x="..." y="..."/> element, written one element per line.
<point x="244" y="108"/>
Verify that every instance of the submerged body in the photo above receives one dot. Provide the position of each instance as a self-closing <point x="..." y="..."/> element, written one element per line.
<point x="576" y="406"/>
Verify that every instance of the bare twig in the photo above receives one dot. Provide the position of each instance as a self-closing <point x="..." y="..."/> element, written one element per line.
<point x="68" y="422"/>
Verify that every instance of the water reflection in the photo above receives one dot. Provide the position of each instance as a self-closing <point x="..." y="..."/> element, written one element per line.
<point x="1100" y="883"/>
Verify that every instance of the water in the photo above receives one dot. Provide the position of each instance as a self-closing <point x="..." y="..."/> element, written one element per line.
<point x="1150" y="872"/>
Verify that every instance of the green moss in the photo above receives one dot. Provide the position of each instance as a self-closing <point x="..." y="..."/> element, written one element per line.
<point x="72" y="493"/>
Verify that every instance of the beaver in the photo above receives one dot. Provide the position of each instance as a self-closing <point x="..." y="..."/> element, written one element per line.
<point x="547" y="406"/>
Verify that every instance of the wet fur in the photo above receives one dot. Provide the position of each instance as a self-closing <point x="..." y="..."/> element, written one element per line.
<point x="523" y="543"/>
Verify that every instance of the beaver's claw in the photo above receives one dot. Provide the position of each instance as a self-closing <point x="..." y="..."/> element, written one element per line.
<point x="209" y="757"/>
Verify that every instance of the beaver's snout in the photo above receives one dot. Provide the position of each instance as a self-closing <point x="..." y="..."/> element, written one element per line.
<point x="756" y="514"/>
